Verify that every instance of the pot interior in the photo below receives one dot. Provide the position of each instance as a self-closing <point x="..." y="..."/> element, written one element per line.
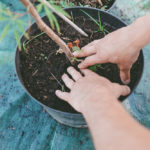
<point x="39" y="66"/>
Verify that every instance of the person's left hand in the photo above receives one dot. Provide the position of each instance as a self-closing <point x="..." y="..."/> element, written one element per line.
<point x="88" y="89"/>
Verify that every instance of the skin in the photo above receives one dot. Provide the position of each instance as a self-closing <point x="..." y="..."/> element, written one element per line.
<point x="121" y="47"/>
<point x="96" y="98"/>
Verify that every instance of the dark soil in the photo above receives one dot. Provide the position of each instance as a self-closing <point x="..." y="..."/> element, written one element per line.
<point x="41" y="61"/>
<point x="93" y="3"/>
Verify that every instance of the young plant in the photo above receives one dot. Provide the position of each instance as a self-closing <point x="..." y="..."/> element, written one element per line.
<point x="62" y="86"/>
<point x="95" y="67"/>
<point x="75" y="47"/>
<point x="46" y="5"/>
<point x="99" y="22"/>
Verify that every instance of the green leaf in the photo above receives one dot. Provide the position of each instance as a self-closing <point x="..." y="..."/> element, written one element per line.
<point x="90" y="17"/>
<point x="5" y="31"/>
<point x="49" y="15"/>
<point x="101" y="27"/>
<point x="2" y="18"/>
<point x="60" y="10"/>
<point x="17" y="37"/>
<point x="39" y="8"/>
<point x="75" y="48"/>
<point x="63" y="88"/>
<point x="21" y="29"/>
<point x="52" y="19"/>
<point x="56" y="24"/>
<point x="95" y="67"/>
<point x="21" y="22"/>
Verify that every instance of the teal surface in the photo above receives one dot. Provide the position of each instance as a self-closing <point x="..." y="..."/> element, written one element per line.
<point x="24" y="124"/>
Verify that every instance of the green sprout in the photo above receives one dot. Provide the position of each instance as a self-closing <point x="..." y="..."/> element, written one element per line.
<point x="74" y="59"/>
<point x="27" y="42"/>
<point x="75" y="48"/>
<point x="99" y="22"/>
<point x="95" y="67"/>
<point x="62" y="86"/>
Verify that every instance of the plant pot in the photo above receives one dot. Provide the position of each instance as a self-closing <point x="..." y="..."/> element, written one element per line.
<point x="71" y="118"/>
<point x="106" y="5"/>
<point x="84" y="4"/>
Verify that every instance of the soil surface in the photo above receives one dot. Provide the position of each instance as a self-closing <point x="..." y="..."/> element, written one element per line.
<point x="106" y="4"/>
<point x="42" y="67"/>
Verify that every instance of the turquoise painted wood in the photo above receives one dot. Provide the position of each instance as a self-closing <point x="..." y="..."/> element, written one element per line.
<point x="24" y="125"/>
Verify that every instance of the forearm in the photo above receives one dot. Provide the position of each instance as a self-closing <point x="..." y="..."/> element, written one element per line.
<point x="113" y="129"/>
<point x="139" y="32"/>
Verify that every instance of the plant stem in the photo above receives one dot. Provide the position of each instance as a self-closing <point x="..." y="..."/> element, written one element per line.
<point x="47" y="29"/>
<point x="100" y="2"/>
<point x="65" y="19"/>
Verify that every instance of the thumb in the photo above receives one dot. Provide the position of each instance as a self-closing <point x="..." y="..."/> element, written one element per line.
<point x="121" y="89"/>
<point x="125" y="76"/>
<point x="125" y="90"/>
<point x="92" y="60"/>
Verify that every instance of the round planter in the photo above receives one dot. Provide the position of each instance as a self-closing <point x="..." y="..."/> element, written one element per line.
<point x="109" y="9"/>
<point x="71" y="119"/>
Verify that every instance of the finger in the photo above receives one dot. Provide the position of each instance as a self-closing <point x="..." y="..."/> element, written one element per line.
<point x="123" y="89"/>
<point x="87" y="72"/>
<point x="91" y="44"/>
<point x="85" y="51"/>
<point x="68" y="82"/>
<point x="62" y="95"/>
<point x="74" y="73"/>
<point x="89" y="61"/>
<point x="125" y="76"/>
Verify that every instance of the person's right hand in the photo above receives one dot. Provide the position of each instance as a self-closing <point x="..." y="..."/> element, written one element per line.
<point x="118" y="47"/>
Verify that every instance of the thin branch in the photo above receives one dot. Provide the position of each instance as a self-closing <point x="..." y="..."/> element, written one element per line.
<point x="100" y="2"/>
<point x="47" y="29"/>
<point x="65" y="19"/>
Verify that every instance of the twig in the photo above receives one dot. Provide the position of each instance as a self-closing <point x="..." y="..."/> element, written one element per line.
<point x="47" y="29"/>
<point x="100" y="2"/>
<point x="65" y="19"/>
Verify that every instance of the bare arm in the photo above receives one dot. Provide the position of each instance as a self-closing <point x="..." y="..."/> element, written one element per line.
<point x="121" y="47"/>
<point x="113" y="129"/>
<point x="97" y="99"/>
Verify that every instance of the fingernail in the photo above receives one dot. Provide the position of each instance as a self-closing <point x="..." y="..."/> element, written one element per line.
<point x="129" y="90"/>
<point x="127" y="81"/>
<point x="57" y="92"/>
<point x="75" y="53"/>
<point x="79" y="66"/>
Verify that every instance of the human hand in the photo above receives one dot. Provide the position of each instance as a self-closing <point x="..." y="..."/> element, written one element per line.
<point x="117" y="47"/>
<point x="88" y="89"/>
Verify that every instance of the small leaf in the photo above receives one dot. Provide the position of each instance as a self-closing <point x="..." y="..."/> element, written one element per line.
<point x="17" y="37"/>
<point x="60" y="10"/>
<point x="93" y="68"/>
<point x="5" y="31"/>
<point x="2" y="18"/>
<point x="52" y="19"/>
<point x="90" y="17"/>
<point x="49" y="15"/>
<point x="21" y="29"/>
<point x="75" y="48"/>
<point x="39" y="8"/>
<point x="62" y="88"/>
<point x="21" y="22"/>
<point x="56" y="24"/>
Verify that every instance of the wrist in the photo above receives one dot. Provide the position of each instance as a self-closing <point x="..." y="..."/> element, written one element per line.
<point x="139" y="32"/>
<point x="99" y="102"/>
